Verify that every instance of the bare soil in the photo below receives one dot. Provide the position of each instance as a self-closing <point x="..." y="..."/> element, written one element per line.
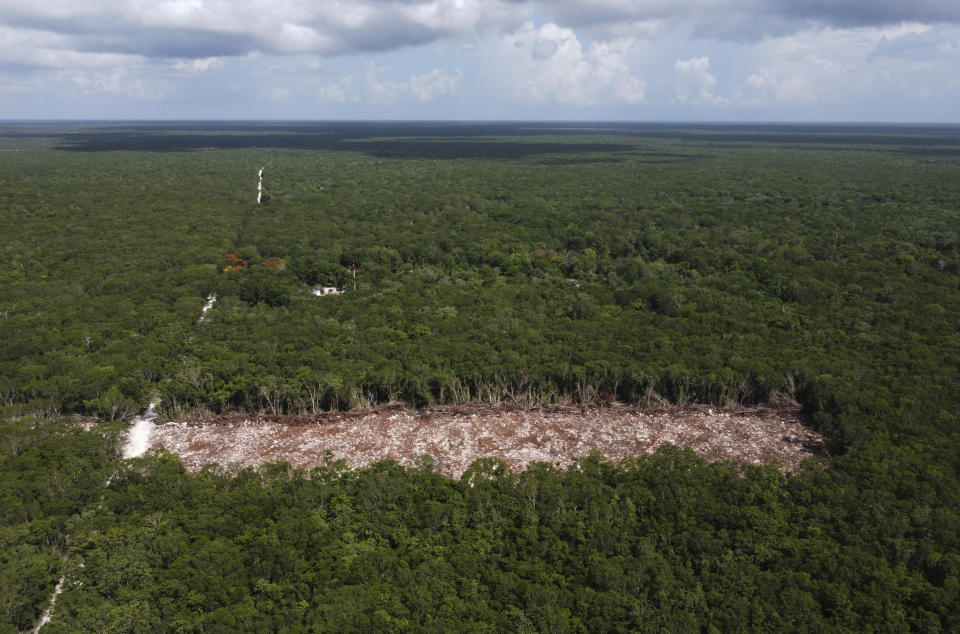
<point x="457" y="435"/>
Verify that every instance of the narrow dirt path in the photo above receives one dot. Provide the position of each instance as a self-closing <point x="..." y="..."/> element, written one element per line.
<point x="48" y="613"/>
<point x="211" y="300"/>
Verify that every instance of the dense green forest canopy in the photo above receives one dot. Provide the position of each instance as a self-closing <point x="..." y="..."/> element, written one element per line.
<point x="525" y="262"/>
<point x="705" y="263"/>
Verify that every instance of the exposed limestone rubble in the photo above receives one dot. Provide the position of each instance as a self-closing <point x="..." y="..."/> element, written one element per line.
<point x="457" y="435"/>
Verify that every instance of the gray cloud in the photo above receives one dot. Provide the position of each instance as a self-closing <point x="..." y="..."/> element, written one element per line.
<point x="854" y="13"/>
<point x="95" y="32"/>
<point x="19" y="68"/>
<point x="921" y="46"/>
<point x="326" y="27"/>
<point x="544" y="49"/>
<point x="383" y="30"/>
<point x="168" y="42"/>
<point x="750" y="20"/>
<point x="220" y="28"/>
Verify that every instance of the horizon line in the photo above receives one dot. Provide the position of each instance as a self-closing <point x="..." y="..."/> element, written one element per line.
<point x="745" y="122"/>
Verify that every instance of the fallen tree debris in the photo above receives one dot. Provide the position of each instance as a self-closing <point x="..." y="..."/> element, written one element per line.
<point x="455" y="436"/>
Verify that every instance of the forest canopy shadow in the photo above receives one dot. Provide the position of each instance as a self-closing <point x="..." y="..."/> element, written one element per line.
<point x="378" y="146"/>
<point x="506" y="140"/>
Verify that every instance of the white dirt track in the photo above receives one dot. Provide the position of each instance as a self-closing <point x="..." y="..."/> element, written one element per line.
<point x="141" y="429"/>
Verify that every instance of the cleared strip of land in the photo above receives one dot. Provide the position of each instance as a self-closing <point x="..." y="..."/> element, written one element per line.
<point x="457" y="435"/>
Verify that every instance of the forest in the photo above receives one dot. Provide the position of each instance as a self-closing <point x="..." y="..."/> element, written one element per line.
<point x="522" y="263"/>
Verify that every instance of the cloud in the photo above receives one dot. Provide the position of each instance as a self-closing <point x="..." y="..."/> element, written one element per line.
<point x="43" y="50"/>
<point x="118" y="82"/>
<point x="550" y="64"/>
<point x="747" y="20"/>
<point x="543" y="49"/>
<point x="841" y="65"/>
<point x="866" y="13"/>
<point x="917" y="44"/>
<point x="195" y="29"/>
<point x="369" y="86"/>
<point x="201" y="29"/>
<point x="198" y="66"/>
<point x="694" y="83"/>
<point x="434" y="84"/>
<point x="496" y="57"/>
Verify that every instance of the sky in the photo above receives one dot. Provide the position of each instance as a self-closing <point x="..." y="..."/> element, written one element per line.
<point x="584" y="60"/>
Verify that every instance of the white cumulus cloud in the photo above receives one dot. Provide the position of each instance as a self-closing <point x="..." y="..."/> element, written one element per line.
<point x="436" y="83"/>
<point x="550" y="64"/>
<point x="199" y="66"/>
<point x="694" y="83"/>
<point x="835" y="65"/>
<point x="370" y="86"/>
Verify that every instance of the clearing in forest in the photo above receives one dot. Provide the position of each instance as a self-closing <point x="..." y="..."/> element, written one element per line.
<point x="457" y="435"/>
